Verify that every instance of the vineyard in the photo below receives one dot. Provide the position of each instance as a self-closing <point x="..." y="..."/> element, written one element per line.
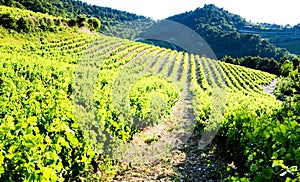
<point x="65" y="99"/>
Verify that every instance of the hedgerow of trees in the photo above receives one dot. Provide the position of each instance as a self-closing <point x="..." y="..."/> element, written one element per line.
<point x="73" y="8"/>
<point x="30" y="23"/>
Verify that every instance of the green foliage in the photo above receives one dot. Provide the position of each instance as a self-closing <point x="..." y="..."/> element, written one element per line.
<point x="23" y="25"/>
<point x="42" y="140"/>
<point x="296" y="62"/>
<point x="284" y="88"/>
<point x="29" y="22"/>
<point x="94" y="24"/>
<point x="72" y="22"/>
<point x="8" y="21"/>
<point x="149" y="140"/>
<point x="286" y="67"/>
<point x="26" y="21"/>
<point x="144" y="100"/>
<point x="202" y="105"/>
<point x="152" y="98"/>
<point x="110" y="18"/>
<point x="264" y="140"/>
<point x="288" y="87"/>
<point x="82" y="21"/>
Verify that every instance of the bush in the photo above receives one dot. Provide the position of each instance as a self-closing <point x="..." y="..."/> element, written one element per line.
<point x="23" y="25"/>
<point x="72" y="22"/>
<point x="286" y="67"/>
<point x="80" y="20"/>
<point x="94" y="24"/>
<point x="289" y="87"/>
<point x="9" y="22"/>
<point x="264" y="147"/>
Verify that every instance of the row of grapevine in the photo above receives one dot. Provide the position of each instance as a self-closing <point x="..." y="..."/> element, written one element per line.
<point x="136" y="85"/>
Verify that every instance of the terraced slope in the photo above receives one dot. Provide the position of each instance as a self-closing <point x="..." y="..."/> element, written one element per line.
<point x="110" y="88"/>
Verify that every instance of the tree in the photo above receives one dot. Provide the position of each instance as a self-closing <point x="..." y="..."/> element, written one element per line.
<point x="229" y="59"/>
<point x="72" y="22"/>
<point x="289" y="86"/>
<point x="7" y="21"/>
<point x="286" y="67"/>
<point x="94" y="24"/>
<point x="8" y="2"/>
<point x="296" y="62"/>
<point x="295" y="75"/>
<point x="80" y="20"/>
<point x="23" y="25"/>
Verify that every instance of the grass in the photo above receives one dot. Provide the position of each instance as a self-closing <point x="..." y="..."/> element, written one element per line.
<point x="149" y="140"/>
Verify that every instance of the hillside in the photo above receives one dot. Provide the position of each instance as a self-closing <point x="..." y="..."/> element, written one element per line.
<point x="282" y="36"/>
<point x="221" y="30"/>
<point x="82" y="106"/>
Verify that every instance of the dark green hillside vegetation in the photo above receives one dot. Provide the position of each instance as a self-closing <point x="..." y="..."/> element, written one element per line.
<point x="287" y="37"/>
<point x="71" y="9"/>
<point x="226" y="32"/>
<point x="221" y="30"/>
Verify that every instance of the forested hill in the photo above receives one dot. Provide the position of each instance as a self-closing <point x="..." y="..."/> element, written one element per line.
<point x="72" y="8"/>
<point x="221" y="30"/>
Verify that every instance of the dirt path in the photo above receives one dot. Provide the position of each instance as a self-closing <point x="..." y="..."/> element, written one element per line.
<point x="206" y="72"/>
<point x="138" y="56"/>
<point x="162" y="64"/>
<point x="155" y="60"/>
<point x="169" y="151"/>
<point x="269" y="89"/>
<point x="172" y="64"/>
<point x="151" y="151"/>
<point x="180" y="69"/>
<point x="213" y="74"/>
